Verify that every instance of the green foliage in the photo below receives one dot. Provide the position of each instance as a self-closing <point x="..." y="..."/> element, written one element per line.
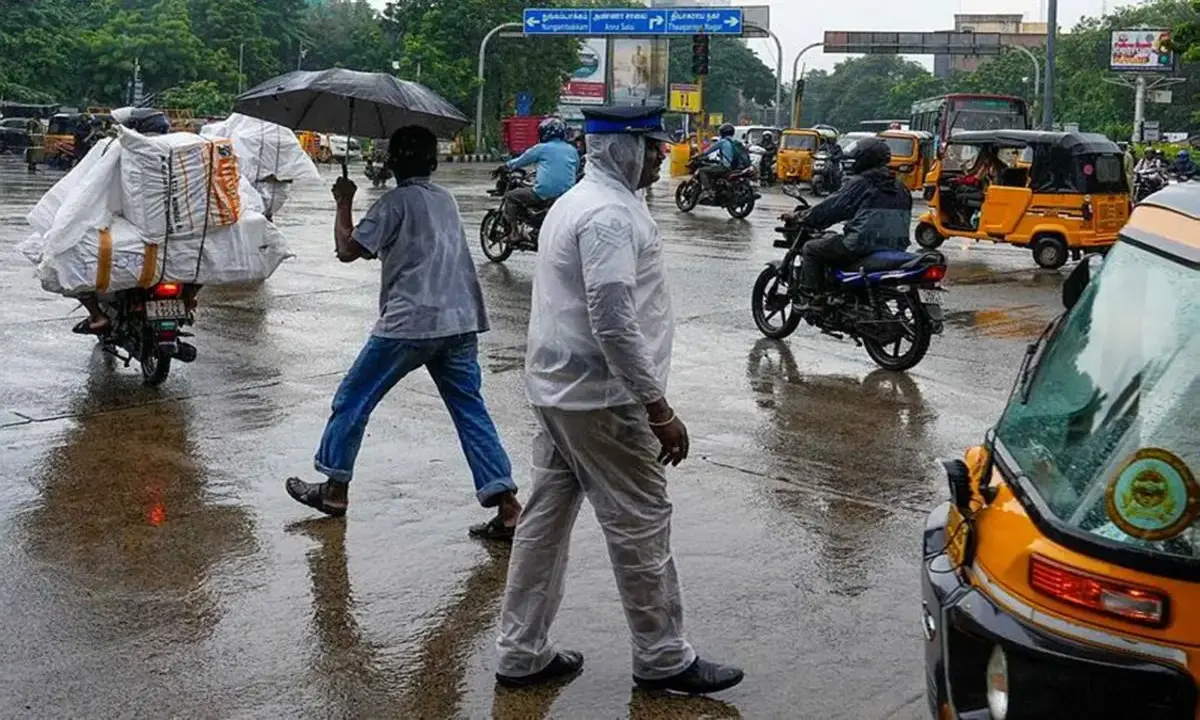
<point x="204" y="98"/>
<point x="738" y="76"/>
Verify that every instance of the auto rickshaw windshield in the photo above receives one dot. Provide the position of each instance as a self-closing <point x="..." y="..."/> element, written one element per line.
<point x="901" y="147"/>
<point x="1106" y="428"/>
<point x="799" y="142"/>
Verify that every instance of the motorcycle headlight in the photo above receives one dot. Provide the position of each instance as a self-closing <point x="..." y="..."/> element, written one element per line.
<point x="997" y="684"/>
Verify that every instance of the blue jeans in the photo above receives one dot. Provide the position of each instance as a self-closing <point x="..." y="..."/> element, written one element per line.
<point x="454" y="366"/>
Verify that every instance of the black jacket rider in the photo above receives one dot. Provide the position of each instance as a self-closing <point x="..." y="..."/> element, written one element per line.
<point x="875" y="207"/>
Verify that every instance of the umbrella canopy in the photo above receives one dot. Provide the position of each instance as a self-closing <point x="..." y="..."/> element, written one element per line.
<point x="347" y="101"/>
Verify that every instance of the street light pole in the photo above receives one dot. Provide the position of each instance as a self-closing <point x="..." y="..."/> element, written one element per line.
<point x="482" y="80"/>
<point x="241" y="64"/>
<point x="1048" y="88"/>
<point x="795" y="78"/>
<point x="1037" y="70"/>
<point x="778" y="67"/>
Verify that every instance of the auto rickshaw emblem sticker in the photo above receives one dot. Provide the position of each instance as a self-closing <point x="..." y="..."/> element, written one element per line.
<point x="1154" y="496"/>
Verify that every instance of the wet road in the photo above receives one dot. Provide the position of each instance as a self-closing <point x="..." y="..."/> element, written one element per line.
<point x="152" y="565"/>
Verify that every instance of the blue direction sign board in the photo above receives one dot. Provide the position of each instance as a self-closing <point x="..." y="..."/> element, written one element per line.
<point x="634" y="21"/>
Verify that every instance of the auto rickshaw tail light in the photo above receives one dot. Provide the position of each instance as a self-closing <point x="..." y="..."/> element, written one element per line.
<point x="934" y="273"/>
<point x="1142" y="605"/>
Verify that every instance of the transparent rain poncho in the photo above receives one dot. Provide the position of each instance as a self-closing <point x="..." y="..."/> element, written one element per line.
<point x="601" y="325"/>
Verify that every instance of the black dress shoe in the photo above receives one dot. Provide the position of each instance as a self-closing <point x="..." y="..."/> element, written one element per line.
<point x="565" y="664"/>
<point x="701" y="678"/>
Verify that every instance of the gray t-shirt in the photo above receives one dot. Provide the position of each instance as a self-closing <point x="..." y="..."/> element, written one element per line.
<point x="429" y="289"/>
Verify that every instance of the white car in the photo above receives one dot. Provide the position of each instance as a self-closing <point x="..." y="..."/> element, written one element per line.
<point x="341" y="146"/>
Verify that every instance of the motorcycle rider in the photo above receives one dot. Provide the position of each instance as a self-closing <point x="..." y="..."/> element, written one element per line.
<point x="1183" y="167"/>
<point x="1150" y="175"/>
<point x="1152" y="162"/>
<point x="725" y="151"/>
<point x="876" y="209"/>
<point x="770" y="151"/>
<point x="557" y="169"/>
<point x="829" y="145"/>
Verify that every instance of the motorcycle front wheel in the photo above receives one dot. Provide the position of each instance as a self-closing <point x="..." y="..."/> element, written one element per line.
<point x="493" y="237"/>
<point x="771" y="305"/>
<point x="687" y="195"/>
<point x="913" y="336"/>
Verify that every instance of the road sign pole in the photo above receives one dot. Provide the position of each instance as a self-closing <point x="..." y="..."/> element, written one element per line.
<point x="483" y="81"/>
<point x="795" y="78"/>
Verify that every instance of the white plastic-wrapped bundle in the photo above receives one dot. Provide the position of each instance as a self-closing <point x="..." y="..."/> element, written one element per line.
<point x="178" y="184"/>
<point x="264" y="150"/>
<point x="83" y="241"/>
<point x="119" y="257"/>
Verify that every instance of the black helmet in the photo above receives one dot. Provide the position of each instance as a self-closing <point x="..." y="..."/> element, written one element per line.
<point x="869" y="154"/>
<point x="726" y="130"/>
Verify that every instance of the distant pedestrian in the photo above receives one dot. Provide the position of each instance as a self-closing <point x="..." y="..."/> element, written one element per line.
<point x="431" y="310"/>
<point x="599" y="351"/>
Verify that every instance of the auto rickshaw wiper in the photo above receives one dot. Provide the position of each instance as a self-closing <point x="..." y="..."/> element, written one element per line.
<point x="1025" y="374"/>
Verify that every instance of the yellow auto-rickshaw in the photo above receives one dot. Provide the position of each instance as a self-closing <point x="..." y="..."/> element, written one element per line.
<point x="1062" y="579"/>
<point x="1072" y="198"/>
<point x="793" y="163"/>
<point x="912" y="156"/>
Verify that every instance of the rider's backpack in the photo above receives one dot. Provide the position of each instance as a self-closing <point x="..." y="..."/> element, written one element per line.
<point x="741" y="156"/>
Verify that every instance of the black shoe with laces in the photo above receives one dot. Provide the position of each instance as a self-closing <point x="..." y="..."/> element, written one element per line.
<point x="701" y="678"/>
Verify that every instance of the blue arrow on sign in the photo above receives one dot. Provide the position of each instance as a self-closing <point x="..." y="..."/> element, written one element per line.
<point x="627" y="21"/>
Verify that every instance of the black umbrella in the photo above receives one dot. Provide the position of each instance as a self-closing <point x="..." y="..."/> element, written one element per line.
<point x="357" y="103"/>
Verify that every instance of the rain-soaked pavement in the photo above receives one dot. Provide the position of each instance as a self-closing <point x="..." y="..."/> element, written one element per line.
<point x="153" y="567"/>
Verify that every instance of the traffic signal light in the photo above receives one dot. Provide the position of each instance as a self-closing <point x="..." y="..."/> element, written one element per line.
<point x="800" y="88"/>
<point x="699" y="54"/>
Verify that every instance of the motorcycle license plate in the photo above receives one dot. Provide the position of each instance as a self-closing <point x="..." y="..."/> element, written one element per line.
<point x="165" y="310"/>
<point x="930" y="297"/>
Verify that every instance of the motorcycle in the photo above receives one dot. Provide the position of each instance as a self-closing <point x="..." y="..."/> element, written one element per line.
<point x="734" y="192"/>
<point x="498" y="239"/>
<point x="147" y="326"/>
<point x="765" y="161"/>
<point x="889" y="302"/>
<point x="1146" y="183"/>
<point x="377" y="174"/>
<point x="827" y="175"/>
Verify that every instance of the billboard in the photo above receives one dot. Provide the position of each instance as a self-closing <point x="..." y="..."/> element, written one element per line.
<point x="639" y="71"/>
<point x="1141" y="51"/>
<point x="587" y="85"/>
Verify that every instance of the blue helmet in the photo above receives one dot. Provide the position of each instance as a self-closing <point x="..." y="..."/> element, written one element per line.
<point x="1184" y="154"/>
<point x="552" y="129"/>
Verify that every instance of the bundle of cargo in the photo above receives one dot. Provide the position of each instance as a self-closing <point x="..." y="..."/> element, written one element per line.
<point x="140" y="210"/>
<point x="268" y="155"/>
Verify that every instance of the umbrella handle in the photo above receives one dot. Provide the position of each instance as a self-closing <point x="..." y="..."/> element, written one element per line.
<point x="349" y="134"/>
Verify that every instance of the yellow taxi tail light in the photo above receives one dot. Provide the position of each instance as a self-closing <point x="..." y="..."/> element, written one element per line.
<point x="1143" y="605"/>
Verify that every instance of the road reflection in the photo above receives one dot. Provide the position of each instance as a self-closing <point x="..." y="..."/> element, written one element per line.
<point x="849" y="451"/>
<point x="128" y="516"/>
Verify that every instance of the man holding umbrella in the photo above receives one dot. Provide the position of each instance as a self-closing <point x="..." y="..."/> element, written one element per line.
<point x="431" y="309"/>
<point x="599" y="350"/>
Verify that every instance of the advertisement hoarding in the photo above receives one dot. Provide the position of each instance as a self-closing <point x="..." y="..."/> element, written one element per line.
<point x="1141" y="51"/>
<point x="587" y="85"/>
<point x="639" y="71"/>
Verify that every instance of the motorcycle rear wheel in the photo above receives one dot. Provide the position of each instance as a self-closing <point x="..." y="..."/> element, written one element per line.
<point x="687" y="195"/>
<point x="769" y="286"/>
<point x="493" y="237"/>
<point x="155" y="367"/>
<point x="916" y="333"/>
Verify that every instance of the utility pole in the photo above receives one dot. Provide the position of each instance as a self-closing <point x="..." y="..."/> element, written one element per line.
<point x="241" y="64"/>
<point x="1139" y="108"/>
<point x="1048" y="88"/>
<point x="300" y="59"/>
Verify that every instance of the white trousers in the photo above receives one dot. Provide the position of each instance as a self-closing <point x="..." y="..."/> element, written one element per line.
<point x="609" y="456"/>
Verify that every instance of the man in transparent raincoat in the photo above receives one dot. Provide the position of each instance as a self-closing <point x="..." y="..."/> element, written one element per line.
<point x="599" y="351"/>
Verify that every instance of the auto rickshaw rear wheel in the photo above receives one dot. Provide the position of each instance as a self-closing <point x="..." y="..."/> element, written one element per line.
<point x="928" y="237"/>
<point x="1050" y="251"/>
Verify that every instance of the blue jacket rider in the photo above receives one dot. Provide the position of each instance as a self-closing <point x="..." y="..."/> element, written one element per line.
<point x="724" y="151"/>
<point x="875" y="207"/>
<point x="557" y="167"/>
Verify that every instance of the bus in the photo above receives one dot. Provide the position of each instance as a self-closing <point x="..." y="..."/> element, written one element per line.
<point x="947" y="115"/>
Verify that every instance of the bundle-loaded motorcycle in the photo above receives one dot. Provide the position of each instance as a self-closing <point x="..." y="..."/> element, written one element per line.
<point x="889" y="302"/>
<point x="148" y="326"/>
